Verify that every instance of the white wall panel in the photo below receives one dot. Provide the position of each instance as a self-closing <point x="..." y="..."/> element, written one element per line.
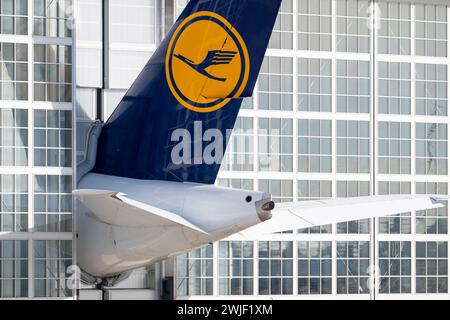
<point x="132" y="21"/>
<point x="132" y="39"/>
<point x="86" y="105"/>
<point x="89" y="22"/>
<point x="89" y="67"/>
<point x="89" y="43"/>
<point x="125" y="66"/>
<point x="111" y="99"/>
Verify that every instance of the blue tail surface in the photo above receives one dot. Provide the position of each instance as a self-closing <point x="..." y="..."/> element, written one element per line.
<point x="174" y="122"/>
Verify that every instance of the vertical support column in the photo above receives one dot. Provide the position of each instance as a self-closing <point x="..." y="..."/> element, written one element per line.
<point x="334" y="266"/>
<point x="255" y="113"/>
<point x="295" y="264"/>
<point x="215" y="269"/>
<point x="99" y="104"/>
<point x="162" y="276"/>
<point x="30" y="269"/>
<point x="105" y="43"/>
<point x="255" y="268"/>
<point x="158" y="12"/>
<point x="448" y="106"/>
<point x="255" y="158"/>
<point x="30" y="150"/>
<point x="373" y="126"/>
<point x="413" y="143"/>
<point x="333" y="99"/>
<point x="295" y="113"/>
<point x="158" y="281"/>
<point x="413" y="266"/>
<point x="169" y="16"/>
<point x="413" y="100"/>
<point x="333" y="143"/>
<point x="74" y="147"/>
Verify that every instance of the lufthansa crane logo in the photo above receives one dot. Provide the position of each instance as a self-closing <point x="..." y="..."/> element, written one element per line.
<point x="207" y="62"/>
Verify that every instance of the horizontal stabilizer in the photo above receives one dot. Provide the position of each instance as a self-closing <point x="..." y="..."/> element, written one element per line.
<point x="117" y="209"/>
<point x="305" y="214"/>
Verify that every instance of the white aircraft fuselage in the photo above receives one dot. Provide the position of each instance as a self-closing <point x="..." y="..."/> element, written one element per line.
<point x="107" y="249"/>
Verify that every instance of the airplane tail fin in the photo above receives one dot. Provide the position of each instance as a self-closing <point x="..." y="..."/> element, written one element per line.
<point x="174" y="121"/>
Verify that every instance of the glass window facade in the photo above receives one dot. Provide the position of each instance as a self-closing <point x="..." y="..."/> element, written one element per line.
<point x="315" y="145"/>
<point x="236" y="267"/>
<point x="275" y="267"/>
<point x="314" y="25"/>
<point x="53" y="203"/>
<point x="314" y="267"/>
<point x="195" y="272"/>
<point x="353" y="147"/>
<point x="431" y="89"/>
<point x="352" y="267"/>
<point x="397" y="224"/>
<point x="14" y="17"/>
<point x="275" y="84"/>
<point x="351" y="189"/>
<point x="353" y="86"/>
<point x="13" y="269"/>
<point x="14" y="203"/>
<point x="52" y="138"/>
<point x="394" y="93"/>
<point x="243" y="184"/>
<point x="52" y="258"/>
<point x="394" y="147"/>
<point x="395" y="266"/>
<point x="434" y="221"/>
<point x="36" y="148"/>
<point x="394" y="35"/>
<point x="394" y="187"/>
<point x="281" y="190"/>
<point x="52" y="73"/>
<point x="52" y="18"/>
<point x="431" y="267"/>
<point x="431" y="149"/>
<point x="317" y="230"/>
<point x="431" y="30"/>
<point x="14" y="73"/>
<point x="241" y="147"/>
<point x="314" y="189"/>
<point x="354" y="227"/>
<point x="275" y="144"/>
<point x="314" y="85"/>
<point x="282" y="35"/>
<point x="352" y="26"/>
<point x="14" y="137"/>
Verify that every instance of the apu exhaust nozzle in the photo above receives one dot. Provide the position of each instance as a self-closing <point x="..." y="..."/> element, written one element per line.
<point x="264" y="208"/>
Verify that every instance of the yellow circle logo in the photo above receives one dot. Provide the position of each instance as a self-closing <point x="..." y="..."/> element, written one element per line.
<point x="207" y="62"/>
